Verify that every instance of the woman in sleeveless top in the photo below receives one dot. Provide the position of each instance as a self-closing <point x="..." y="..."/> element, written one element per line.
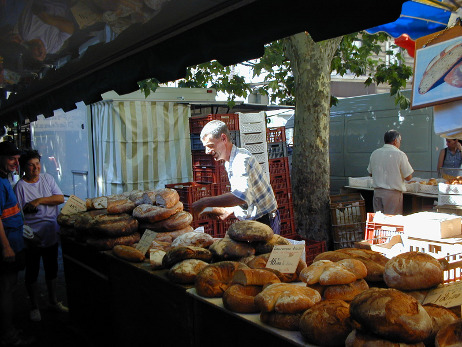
<point x="450" y="157"/>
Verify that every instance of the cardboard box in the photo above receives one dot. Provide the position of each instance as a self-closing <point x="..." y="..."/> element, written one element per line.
<point x="432" y="225"/>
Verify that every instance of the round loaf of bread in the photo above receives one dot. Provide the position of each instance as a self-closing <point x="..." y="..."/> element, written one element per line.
<point x="392" y="315"/>
<point x="450" y="335"/>
<point x="178" y="221"/>
<point x="185" y="272"/>
<point x="170" y="236"/>
<point x="150" y="214"/>
<point x="413" y="271"/>
<point x="228" y="249"/>
<point x="104" y="225"/>
<point x="128" y="253"/>
<point x="240" y="298"/>
<point x="81" y="221"/>
<point x="285" y="321"/>
<point x="267" y="246"/>
<point x="254" y="277"/>
<point x="178" y="254"/>
<point x="167" y="197"/>
<point x="137" y="197"/>
<point x="104" y="244"/>
<point x="286" y="298"/>
<point x="250" y="231"/>
<point x="441" y="316"/>
<point x="215" y="278"/>
<point x="116" y="206"/>
<point x="327" y="323"/>
<point x="345" y="292"/>
<point x="360" y="339"/>
<point x="193" y="239"/>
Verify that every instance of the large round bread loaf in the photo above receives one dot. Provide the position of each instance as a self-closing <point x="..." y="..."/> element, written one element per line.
<point x="150" y="214"/>
<point x="285" y="321"/>
<point x="104" y="225"/>
<point x="177" y="221"/>
<point x="178" y="254"/>
<point x="327" y="323"/>
<point x="103" y="244"/>
<point x="81" y="221"/>
<point x="413" y="271"/>
<point x="360" y="339"/>
<point x="240" y="298"/>
<point x="286" y="298"/>
<point x="228" y="249"/>
<point x="392" y="315"/>
<point x="120" y="205"/>
<point x="250" y="231"/>
<point x="450" y="335"/>
<point x="345" y="292"/>
<point x="263" y="247"/>
<point x="193" y="238"/>
<point x="254" y="277"/>
<point x="185" y="272"/>
<point x="170" y="236"/>
<point x="441" y="317"/>
<point x="137" y="197"/>
<point x="215" y="278"/>
<point x="167" y="197"/>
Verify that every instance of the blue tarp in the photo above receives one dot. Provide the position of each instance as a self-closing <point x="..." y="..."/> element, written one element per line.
<point x="416" y="20"/>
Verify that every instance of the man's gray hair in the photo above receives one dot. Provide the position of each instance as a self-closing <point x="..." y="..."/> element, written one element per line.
<point x="390" y="136"/>
<point x="215" y="128"/>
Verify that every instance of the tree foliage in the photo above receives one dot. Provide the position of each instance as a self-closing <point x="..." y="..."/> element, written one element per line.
<point x="354" y="56"/>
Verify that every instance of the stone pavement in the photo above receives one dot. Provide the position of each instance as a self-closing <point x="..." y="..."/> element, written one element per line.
<point x="55" y="329"/>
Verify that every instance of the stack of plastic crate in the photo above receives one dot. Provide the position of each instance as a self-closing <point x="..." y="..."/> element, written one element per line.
<point x="278" y="163"/>
<point x="207" y="171"/>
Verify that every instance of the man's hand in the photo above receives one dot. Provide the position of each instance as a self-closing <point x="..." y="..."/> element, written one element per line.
<point x="8" y="254"/>
<point x="217" y="213"/>
<point x="30" y="208"/>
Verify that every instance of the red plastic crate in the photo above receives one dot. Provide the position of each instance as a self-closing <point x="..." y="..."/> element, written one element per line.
<point x="312" y="247"/>
<point x="190" y="192"/>
<point x="210" y="226"/>
<point x="210" y="175"/>
<point x="223" y="225"/>
<point x="287" y="227"/>
<point x="283" y="197"/>
<point x="280" y="181"/>
<point x="278" y="166"/>
<point x="220" y="188"/>
<point x="276" y="134"/>
<point x="197" y="123"/>
<point x="286" y="212"/>
<point x="199" y="158"/>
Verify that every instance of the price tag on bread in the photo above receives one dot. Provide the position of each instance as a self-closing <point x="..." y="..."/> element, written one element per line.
<point x="146" y="241"/>
<point x="285" y="258"/>
<point x="73" y="205"/>
<point x="448" y="295"/>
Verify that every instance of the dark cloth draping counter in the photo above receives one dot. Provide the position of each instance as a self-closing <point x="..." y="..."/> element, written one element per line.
<point x="119" y="303"/>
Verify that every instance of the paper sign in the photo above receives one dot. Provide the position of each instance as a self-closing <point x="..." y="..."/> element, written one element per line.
<point x="449" y="295"/>
<point x="73" y="205"/>
<point x="146" y="241"/>
<point x="285" y="258"/>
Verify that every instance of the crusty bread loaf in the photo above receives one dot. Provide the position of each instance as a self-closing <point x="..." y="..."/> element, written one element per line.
<point x="286" y="298"/>
<point x="413" y="271"/>
<point x="81" y="220"/>
<point x="355" y="266"/>
<point x="250" y="231"/>
<point x="285" y="321"/>
<point x="360" y="339"/>
<point x="441" y="316"/>
<point x="177" y="254"/>
<point x="193" y="238"/>
<point x="311" y="274"/>
<point x="327" y="323"/>
<point x="263" y="247"/>
<point x="165" y="246"/>
<point x="116" y="206"/>
<point x="345" y="292"/>
<point x="103" y="244"/>
<point x="97" y="203"/>
<point x="177" y="221"/>
<point x="240" y="298"/>
<point x="215" y="278"/>
<point x="254" y="277"/>
<point x="128" y="253"/>
<point x="150" y="214"/>
<point x="170" y="236"/>
<point x="228" y="249"/>
<point x="185" y="272"/>
<point x="167" y="197"/>
<point x="334" y="274"/>
<point x="440" y="66"/>
<point x="137" y="197"/>
<point x="104" y="225"/>
<point x="155" y="258"/>
<point x="392" y="315"/>
<point x="450" y="335"/>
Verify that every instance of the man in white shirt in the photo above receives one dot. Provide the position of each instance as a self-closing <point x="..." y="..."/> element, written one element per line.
<point x="389" y="167"/>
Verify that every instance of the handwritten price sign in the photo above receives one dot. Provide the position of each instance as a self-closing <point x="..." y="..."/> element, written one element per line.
<point x="73" y="205"/>
<point x="449" y="295"/>
<point x="285" y="258"/>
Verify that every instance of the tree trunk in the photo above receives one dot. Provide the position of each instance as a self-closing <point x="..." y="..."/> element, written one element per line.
<point x="311" y="66"/>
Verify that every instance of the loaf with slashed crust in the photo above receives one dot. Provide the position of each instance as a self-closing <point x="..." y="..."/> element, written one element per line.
<point x="241" y="298"/>
<point x="286" y="298"/>
<point x="413" y="271"/>
<point x="213" y="280"/>
<point x="285" y="321"/>
<point x="167" y="197"/>
<point x="250" y="231"/>
<point x="185" y="272"/>
<point x="345" y="292"/>
<point x="177" y="221"/>
<point x="327" y="323"/>
<point x="116" y="206"/>
<point x="193" y="238"/>
<point x="392" y="315"/>
<point x="150" y="214"/>
<point x="361" y="339"/>
<point x="228" y="249"/>
<point x="178" y="254"/>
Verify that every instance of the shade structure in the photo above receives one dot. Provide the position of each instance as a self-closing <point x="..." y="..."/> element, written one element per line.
<point x="416" y="20"/>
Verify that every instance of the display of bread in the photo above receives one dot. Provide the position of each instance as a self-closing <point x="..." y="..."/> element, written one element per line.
<point x="213" y="280"/>
<point x="177" y="254"/>
<point x="326" y="323"/>
<point x="185" y="272"/>
<point x="413" y="271"/>
<point x="193" y="238"/>
<point x="392" y="315"/>
<point x="326" y="272"/>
